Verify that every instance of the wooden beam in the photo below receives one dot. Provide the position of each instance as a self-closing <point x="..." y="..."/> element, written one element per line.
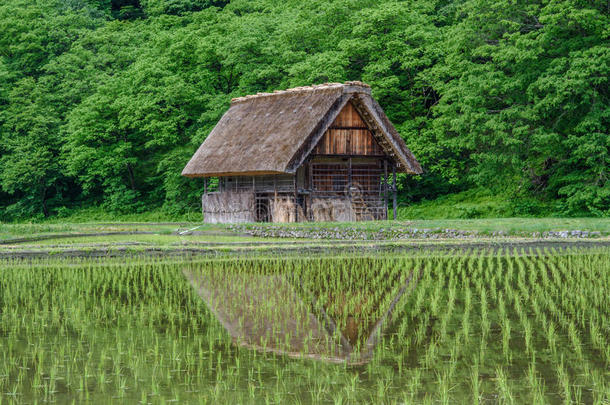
<point x="348" y="141"/>
<point x="296" y="203"/>
<point x="349" y="156"/>
<point x="310" y="181"/>
<point x="349" y="184"/>
<point x="349" y="176"/>
<point x="385" y="187"/>
<point x="394" y="199"/>
<point x="305" y="181"/>
<point x="340" y="127"/>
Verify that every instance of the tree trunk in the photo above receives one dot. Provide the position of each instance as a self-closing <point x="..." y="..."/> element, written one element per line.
<point x="45" y="208"/>
<point x="131" y="176"/>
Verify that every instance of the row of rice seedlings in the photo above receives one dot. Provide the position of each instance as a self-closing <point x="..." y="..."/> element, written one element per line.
<point x="557" y="305"/>
<point x="365" y="295"/>
<point x="572" y="308"/>
<point x="252" y="298"/>
<point x="65" y="325"/>
<point x="444" y="350"/>
<point x="542" y="303"/>
<point x="109" y="312"/>
<point x="513" y="279"/>
<point x="358" y="293"/>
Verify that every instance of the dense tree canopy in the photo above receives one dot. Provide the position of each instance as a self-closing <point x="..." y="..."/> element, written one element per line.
<point x="102" y="102"/>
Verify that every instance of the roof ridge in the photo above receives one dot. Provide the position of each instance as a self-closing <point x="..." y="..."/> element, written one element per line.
<point x="302" y="89"/>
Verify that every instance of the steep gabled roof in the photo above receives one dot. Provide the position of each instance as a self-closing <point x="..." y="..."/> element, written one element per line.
<point x="272" y="133"/>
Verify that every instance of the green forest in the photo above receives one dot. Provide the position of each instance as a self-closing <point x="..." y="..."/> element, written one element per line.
<point x="103" y="102"/>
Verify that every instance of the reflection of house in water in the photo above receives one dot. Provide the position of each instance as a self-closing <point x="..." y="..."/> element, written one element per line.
<point x="316" y="153"/>
<point x="275" y="314"/>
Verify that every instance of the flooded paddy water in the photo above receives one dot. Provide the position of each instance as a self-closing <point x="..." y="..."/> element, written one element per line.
<point x="418" y="327"/>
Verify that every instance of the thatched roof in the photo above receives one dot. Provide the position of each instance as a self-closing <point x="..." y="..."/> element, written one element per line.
<point x="272" y="133"/>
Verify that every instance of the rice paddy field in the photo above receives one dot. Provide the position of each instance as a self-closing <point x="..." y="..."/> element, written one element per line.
<point x="467" y="326"/>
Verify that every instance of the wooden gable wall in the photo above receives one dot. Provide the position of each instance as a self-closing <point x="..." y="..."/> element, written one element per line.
<point x="348" y="135"/>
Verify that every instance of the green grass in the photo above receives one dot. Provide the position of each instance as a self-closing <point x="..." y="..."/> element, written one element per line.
<point x="484" y="225"/>
<point x="98" y="214"/>
<point x="475" y="203"/>
<point x="20" y="230"/>
<point x="511" y="226"/>
<point x="518" y="225"/>
<point x="154" y="240"/>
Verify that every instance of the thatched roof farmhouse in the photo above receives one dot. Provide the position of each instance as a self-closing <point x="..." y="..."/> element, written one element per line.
<point x="309" y="153"/>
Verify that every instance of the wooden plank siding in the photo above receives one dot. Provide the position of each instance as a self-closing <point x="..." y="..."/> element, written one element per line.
<point x="348" y="135"/>
<point x="349" y="117"/>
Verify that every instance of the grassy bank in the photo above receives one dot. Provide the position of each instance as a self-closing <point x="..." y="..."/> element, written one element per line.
<point x="485" y="226"/>
<point x="476" y="203"/>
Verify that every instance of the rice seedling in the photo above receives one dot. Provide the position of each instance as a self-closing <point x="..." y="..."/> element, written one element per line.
<point x="475" y="383"/>
<point x="564" y="382"/>
<point x="502" y="383"/>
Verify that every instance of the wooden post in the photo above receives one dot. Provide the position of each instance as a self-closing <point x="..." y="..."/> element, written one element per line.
<point x="272" y="204"/>
<point x="305" y="182"/>
<point x="385" y="187"/>
<point x="349" y="187"/>
<point x="348" y="145"/>
<point x="296" y="204"/>
<point x="349" y="177"/>
<point x="394" y="202"/>
<point x="310" y="180"/>
<point x="205" y="185"/>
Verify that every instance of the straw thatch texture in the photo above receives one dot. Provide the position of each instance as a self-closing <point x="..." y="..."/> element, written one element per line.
<point x="228" y="207"/>
<point x="273" y="133"/>
<point x="282" y="210"/>
<point x="331" y="209"/>
<point x="261" y="134"/>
